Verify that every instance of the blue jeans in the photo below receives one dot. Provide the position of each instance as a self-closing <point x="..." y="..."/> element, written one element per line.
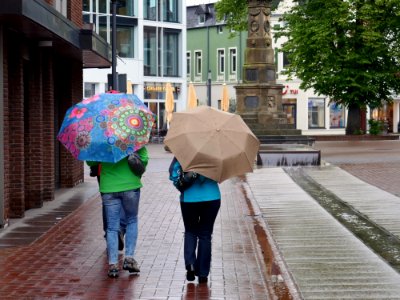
<point x="127" y="201"/>
<point x="199" y="219"/>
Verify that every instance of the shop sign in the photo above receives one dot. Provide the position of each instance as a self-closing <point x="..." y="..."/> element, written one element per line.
<point x="159" y="88"/>
<point x="289" y="91"/>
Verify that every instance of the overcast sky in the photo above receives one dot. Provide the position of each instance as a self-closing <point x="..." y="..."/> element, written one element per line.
<point x="197" y="2"/>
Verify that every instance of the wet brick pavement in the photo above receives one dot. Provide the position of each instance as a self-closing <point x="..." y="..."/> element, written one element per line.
<point x="69" y="261"/>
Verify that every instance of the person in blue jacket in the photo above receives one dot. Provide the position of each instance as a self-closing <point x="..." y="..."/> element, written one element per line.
<point x="200" y="200"/>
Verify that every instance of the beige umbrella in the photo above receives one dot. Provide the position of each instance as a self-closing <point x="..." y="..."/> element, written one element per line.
<point x="213" y="143"/>
<point x="225" y="98"/>
<point x="192" y="98"/>
<point x="169" y="101"/>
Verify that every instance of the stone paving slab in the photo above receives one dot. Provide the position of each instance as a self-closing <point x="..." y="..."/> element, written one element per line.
<point x="307" y="235"/>
<point x="379" y="206"/>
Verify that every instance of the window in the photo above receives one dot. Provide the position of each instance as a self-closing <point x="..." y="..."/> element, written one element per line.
<point x="202" y="18"/>
<point x="220" y="29"/>
<point x="171" y="53"/>
<point x="125" y="8"/>
<point x="232" y="61"/>
<point x="150" y="51"/>
<point x="286" y="62"/>
<point x="90" y="89"/>
<point x="125" y="41"/>
<point x="188" y="64"/>
<point x="221" y="63"/>
<point x="151" y="9"/>
<point x="61" y="6"/>
<point x="170" y="11"/>
<point x="198" y="63"/>
<point x="316" y="113"/>
<point x="336" y="116"/>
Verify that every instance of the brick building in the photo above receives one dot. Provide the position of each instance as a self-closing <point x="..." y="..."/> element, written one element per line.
<point x="44" y="47"/>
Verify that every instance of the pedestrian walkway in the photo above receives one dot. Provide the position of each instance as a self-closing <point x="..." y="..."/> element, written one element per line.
<point x="272" y="240"/>
<point x="325" y="259"/>
<point x="69" y="260"/>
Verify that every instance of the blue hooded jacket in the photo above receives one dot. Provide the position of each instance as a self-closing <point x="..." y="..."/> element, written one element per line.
<point x="202" y="188"/>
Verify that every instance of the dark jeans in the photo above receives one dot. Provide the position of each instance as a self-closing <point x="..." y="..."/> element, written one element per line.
<point x="199" y="218"/>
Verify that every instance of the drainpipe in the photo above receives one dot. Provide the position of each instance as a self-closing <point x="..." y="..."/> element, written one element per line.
<point x="1" y="132"/>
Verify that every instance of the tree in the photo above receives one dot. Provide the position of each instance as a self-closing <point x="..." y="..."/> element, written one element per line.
<point x="348" y="50"/>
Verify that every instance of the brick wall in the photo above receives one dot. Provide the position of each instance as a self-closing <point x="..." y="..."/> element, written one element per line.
<point x="16" y="129"/>
<point x="75" y="12"/>
<point x="48" y="125"/>
<point x="6" y="134"/>
<point x="33" y="121"/>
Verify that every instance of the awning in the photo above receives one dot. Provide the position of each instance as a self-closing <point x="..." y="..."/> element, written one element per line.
<point x="39" y="21"/>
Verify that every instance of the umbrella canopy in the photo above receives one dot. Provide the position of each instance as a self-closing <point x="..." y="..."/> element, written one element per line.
<point x="213" y="143"/>
<point x="169" y="101"/>
<point x="192" y="97"/>
<point x="106" y="127"/>
<point x="225" y="98"/>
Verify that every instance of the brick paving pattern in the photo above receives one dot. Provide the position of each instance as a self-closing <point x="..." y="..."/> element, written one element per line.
<point x="70" y="261"/>
<point x="386" y="176"/>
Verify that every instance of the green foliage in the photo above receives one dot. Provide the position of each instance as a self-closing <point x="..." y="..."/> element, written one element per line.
<point x="348" y="50"/>
<point x="375" y="126"/>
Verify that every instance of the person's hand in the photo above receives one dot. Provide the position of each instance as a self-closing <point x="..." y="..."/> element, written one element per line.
<point x="189" y="176"/>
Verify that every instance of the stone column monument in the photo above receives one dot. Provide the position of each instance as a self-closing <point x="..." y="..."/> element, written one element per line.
<point x="259" y="97"/>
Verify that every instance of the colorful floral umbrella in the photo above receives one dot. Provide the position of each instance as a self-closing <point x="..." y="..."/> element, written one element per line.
<point x="106" y="127"/>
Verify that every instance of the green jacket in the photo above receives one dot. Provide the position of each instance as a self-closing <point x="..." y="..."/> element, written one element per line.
<point x="118" y="177"/>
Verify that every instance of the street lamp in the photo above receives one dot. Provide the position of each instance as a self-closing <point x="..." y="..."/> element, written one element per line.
<point x="209" y="88"/>
<point x="114" y="46"/>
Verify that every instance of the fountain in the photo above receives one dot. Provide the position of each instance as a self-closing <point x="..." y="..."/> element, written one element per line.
<point x="259" y="97"/>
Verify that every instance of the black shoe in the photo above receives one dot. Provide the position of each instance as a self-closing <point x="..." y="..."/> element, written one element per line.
<point x="120" y="241"/>
<point x="113" y="271"/>
<point x="190" y="273"/>
<point x="203" y="279"/>
<point x="131" y="265"/>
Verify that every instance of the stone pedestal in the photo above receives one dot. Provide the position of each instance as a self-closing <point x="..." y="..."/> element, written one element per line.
<point x="259" y="97"/>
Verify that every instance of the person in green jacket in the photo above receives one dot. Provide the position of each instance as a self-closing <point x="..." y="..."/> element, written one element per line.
<point x="120" y="190"/>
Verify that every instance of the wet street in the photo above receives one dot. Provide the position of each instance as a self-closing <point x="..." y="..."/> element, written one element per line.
<point x="272" y="239"/>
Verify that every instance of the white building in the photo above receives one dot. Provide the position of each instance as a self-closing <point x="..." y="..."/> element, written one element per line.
<point x="311" y="112"/>
<point x="151" y="41"/>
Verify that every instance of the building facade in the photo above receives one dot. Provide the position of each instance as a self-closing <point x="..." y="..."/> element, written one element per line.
<point x="44" y="46"/>
<point x="210" y="48"/>
<point x="151" y="40"/>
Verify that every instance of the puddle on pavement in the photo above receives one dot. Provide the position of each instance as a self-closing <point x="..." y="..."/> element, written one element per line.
<point x="381" y="241"/>
<point x="274" y="275"/>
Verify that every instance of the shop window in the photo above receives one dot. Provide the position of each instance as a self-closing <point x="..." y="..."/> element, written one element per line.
<point x="336" y="116"/>
<point x="289" y="108"/>
<point x="316" y="113"/>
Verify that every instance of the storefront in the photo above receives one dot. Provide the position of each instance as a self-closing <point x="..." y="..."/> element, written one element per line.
<point x="312" y="113"/>
<point x="154" y="98"/>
